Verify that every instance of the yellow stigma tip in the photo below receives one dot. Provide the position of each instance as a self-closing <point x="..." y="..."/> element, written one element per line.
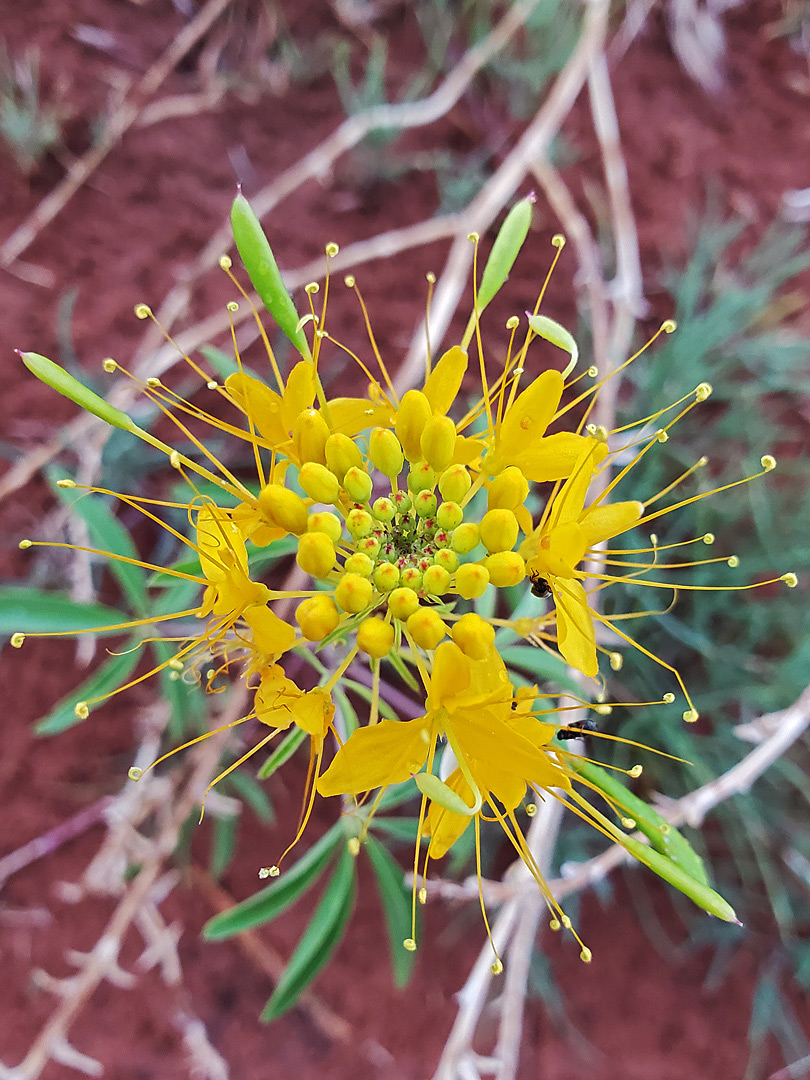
<point x="668" y="699"/>
<point x="790" y="580"/>
<point x="232" y="306"/>
<point x="225" y="262"/>
<point x="669" y="326"/>
<point x="691" y="715"/>
<point x="17" y="640"/>
<point x="558" y="241"/>
<point x="422" y="895"/>
<point x="531" y="809"/>
<point x="332" y="249"/>
<point x="109" y="365"/>
<point x="66" y="483"/>
<point x="496" y="967"/>
<point x="143" y="311"/>
<point x="81" y="710"/>
<point x="586" y="955"/>
<point x="25" y="544"/>
<point x="135" y="773"/>
<point x="768" y="462"/>
<point x="353" y="844"/>
<point x="636" y="771"/>
<point x="409" y="944"/>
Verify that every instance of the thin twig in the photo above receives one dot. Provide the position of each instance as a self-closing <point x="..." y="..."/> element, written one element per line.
<point x="120" y="122"/>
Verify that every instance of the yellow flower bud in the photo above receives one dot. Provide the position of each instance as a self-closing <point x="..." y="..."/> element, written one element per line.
<point x="359" y="563"/>
<point x="385" y="452"/>
<point x="353" y="593"/>
<point x="282" y="507"/>
<point x="499" y="530"/>
<point x="375" y="637"/>
<point x="342" y="454"/>
<point x="422" y="477"/>
<point x="316" y="554"/>
<point x="359" y="523"/>
<point x="310" y="432"/>
<point x="508" y="490"/>
<point x="505" y="568"/>
<point x="318" y="482"/>
<point x="438" y="441"/>
<point x="402" y="603"/>
<point x="414" y="412"/>
<point x="474" y="636"/>
<point x="327" y="522"/>
<point x="317" y="616"/>
<point x="411" y="577"/>
<point x="471" y="580"/>
<point x="454" y="483"/>
<point x="449" y="516"/>
<point x="435" y="581"/>
<point x="448" y="559"/>
<point x="465" y="538"/>
<point x="426" y="628"/>
<point x="357" y="484"/>
<point x="386" y="577"/>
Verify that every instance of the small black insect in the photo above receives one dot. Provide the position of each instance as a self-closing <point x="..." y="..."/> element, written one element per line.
<point x="540" y="587"/>
<point x="576" y="731"/>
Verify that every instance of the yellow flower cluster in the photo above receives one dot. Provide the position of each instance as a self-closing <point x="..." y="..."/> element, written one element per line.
<point x="404" y="512"/>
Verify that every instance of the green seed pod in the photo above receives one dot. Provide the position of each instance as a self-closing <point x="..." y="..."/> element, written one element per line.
<point x="505" y="250"/>
<point x="60" y="380"/>
<point x="263" y="271"/>
<point x="552" y="331"/>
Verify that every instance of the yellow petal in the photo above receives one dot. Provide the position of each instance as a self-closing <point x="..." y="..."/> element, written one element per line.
<point x="221" y="547"/>
<point x="299" y="393"/>
<point x="271" y="635"/>
<point x="261" y="404"/>
<point x="531" y="412"/>
<point x="576" y="638"/>
<point x="444" y="382"/>
<point x="442" y="825"/>
<point x="553" y="457"/>
<point x="482" y="734"/>
<point x="353" y="415"/>
<point x="387" y="753"/>
<point x="605" y="521"/>
<point x="571" y="498"/>
<point x="450" y="675"/>
<point x="314" y="712"/>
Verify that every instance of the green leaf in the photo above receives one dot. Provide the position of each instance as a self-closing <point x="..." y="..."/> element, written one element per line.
<point x="263" y="271"/>
<point x="251" y="793"/>
<point x="34" y="611"/>
<point x="347" y="711"/>
<point x="108" y="534"/>
<point x="276" y="898"/>
<point x="396" y="902"/>
<point x="113" y="673"/>
<point x="319" y="940"/>
<point x="223" y="844"/>
<point x="283" y="752"/>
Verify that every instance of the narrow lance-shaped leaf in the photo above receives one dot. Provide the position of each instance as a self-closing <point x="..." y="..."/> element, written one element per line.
<point x="262" y="269"/>
<point x="276" y="898"/>
<point x="320" y="939"/>
<point x="33" y="611"/>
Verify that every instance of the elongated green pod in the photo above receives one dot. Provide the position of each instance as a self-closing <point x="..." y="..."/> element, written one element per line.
<point x="662" y="836"/>
<point x="505" y="250"/>
<point x="556" y="333"/>
<point x="65" y="384"/>
<point x="262" y="269"/>
<point x="437" y="791"/>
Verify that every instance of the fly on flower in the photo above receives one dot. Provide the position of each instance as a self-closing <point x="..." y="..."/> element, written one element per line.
<point x="410" y="517"/>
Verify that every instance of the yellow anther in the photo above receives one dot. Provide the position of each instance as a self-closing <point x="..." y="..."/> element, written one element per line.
<point x="431" y="277"/>
<point x="554" y="925"/>
<point x="375" y="637"/>
<point x="586" y="955"/>
<point x="17" y="640"/>
<point x="473" y="237"/>
<point x="153" y="383"/>
<point x="668" y="698"/>
<point x="66" y="483"/>
<point x="603" y="710"/>
<point x="212" y="384"/>
<point x="176" y="665"/>
<point x="512" y="323"/>
<point x="558" y="241"/>
<point x="24" y="544"/>
<point x="531" y="809"/>
<point x="232" y="306"/>
<point x="349" y="281"/>
<point x="733" y="560"/>
<point x="566" y="922"/>
<point x="225" y="262"/>
<point x="353" y="593"/>
<point x="592" y="371"/>
<point x="317" y="616"/>
<point x="109" y="365"/>
<point x="790" y="579"/>
<point x="628" y="822"/>
<point x="703" y="391"/>
<point x="471" y="580"/>
<point x="135" y="773"/>
<point x="312" y="288"/>
<point x="662" y="436"/>
<point x="81" y="710"/>
<point x="332" y="249"/>
<point x="422" y="895"/>
<point x="353" y="844"/>
<point x="768" y="462"/>
<point x="143" y="311"/>
<point x="708" y="538"/>
<point x="496" y="967"/>
<point x="269" y="871"/>
<point x="636" y="771"/>
<point x="669" y="326"/>
<point x="690" y="716"/>
<point x="174" y="459"/>
<point x="409" y="944"/>
<point x="616" y="661"/>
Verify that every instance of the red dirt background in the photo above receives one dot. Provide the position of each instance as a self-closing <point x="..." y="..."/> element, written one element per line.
<point x="126" y="237"/>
